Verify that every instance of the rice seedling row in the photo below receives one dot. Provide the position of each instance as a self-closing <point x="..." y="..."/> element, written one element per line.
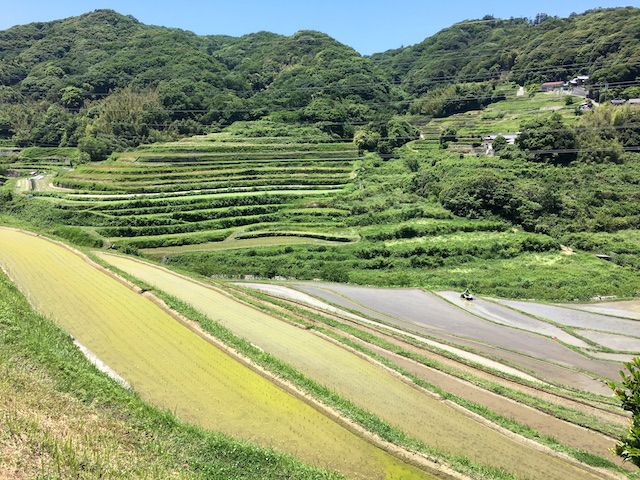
<point x="170" y="365"/>
<point x="369" y="386"/>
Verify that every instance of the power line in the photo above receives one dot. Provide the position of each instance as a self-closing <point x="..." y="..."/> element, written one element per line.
<point x="434" y="80"/>
<point x="305" y="141"/>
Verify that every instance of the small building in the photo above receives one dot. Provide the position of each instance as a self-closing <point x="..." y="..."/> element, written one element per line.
<point x="552" y="86"/>
<point x="579" y="80"/>
<point x="487" y="141"/>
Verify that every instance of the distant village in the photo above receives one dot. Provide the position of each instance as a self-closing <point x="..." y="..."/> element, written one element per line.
<point x="578" y="87"/>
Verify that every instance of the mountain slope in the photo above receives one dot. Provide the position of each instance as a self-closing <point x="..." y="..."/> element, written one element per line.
<point x="603" y="43"/>
<point x="103" y="50"/>
<point x="105" y="82"/>
<point x="186" y="81"/>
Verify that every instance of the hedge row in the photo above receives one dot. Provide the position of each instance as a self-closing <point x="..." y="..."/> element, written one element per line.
<point x="436" y="228"/>
<point x="145" y="207"/>
<point x="148" y="174"/>
<point x="168" y="188"/>
<point x="196" y="166"/>
<point x="319" y="236"/>
<point x="247" y="180"/>
<point x="224" y="223"/>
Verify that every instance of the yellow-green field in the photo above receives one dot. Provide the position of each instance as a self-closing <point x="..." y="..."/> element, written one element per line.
<point x="233" y="243"/>
<point x="175" y="368"/>
<point x="418" y="414"/>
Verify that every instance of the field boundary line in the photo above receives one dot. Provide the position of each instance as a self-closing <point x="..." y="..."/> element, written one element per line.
<point x="416" y="459"/>
<point x="447" y="374"/>
<point x="474" y="416"/>
<point x="320" y="405"/>
<point x="478" y="418"/>
<point x="413" y="458"/>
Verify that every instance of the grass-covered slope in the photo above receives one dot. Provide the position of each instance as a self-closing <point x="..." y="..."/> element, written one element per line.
<point x="267" y="199"/>
<point x="61" y="418"/>
<point x="249" y="182"/>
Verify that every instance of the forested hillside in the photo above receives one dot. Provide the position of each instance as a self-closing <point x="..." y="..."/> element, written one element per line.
<point x="107" y="82"/>
<point x="601" y="43"/>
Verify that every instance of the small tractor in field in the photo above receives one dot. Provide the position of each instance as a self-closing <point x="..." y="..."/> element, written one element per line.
<point x="466" y="295"/>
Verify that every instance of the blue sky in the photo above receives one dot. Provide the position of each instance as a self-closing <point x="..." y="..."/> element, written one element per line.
<point x="367" y="25"/>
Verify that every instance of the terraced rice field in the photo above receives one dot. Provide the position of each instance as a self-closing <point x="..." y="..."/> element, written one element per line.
<point x="498" y="118"/>
<point x="237" y="243"/>
<point x="625" y="309"/>
<point x="205" y="189"/>
<point x="543" y="422"/>
<point x="425" y="313"/>
<point x="505" y="316"/>
<point x="585" y="321"/>
<point x="173" y="367"/>
<point x="416" y="412"/>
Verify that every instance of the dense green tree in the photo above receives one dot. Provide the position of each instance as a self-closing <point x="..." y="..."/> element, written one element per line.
<point x="80" y="63"/>
<point x="72" y="97"/>
<point x="481" y="195"/>
<point x="628" y="392"/>
<point x="522" y="50"/>
<point x="400" y="132"/>
<point x="499" y="144"/>
<point x="204" y="82"/>
<point x="366" y="140"/>
<point x="548" y="140"/>
<point x="450" y="134"/>
<point x="98" y="148"/>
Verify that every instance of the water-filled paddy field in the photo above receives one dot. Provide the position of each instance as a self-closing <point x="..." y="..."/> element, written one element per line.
<point x="564" y="431"/>
<point x="423" y="312"/>
<point x="421" y="415"/>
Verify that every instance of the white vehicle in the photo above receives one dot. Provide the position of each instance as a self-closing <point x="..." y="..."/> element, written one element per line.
<point x="467" y="295"/>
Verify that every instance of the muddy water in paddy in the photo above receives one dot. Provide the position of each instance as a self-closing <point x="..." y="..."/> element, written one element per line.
<point x="576" y="318"/>
<point x="423" y="312"/>
<point x="369" y="386"/>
